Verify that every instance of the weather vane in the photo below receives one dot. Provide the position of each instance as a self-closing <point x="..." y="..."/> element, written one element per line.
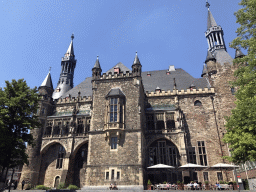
<point x="207" y="4"/>
<point x="72" y="36"/>
<point x="50" y="69"/>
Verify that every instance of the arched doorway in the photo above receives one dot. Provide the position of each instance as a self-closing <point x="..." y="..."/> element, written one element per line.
<point x="52" y="161"/>
<point x="163" y="151"/>
<point x="57" y="182"/>
<point x="80" y="163"/>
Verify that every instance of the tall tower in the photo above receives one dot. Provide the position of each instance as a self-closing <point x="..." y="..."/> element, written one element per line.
<point x="68" y="64"/>
<point x="216" y="44"/>
<point x="30" y="173"/>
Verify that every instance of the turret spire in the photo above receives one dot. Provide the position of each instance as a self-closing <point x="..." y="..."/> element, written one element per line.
<point x="136" y="67"/>
<point x="96" y="70"/>
<point x="97" y="63"/>
<point x="47" y="81"/>
<point x="136" y="59"/>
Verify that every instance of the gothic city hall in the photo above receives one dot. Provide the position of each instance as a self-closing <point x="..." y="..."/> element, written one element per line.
<point x="112" y="126"/>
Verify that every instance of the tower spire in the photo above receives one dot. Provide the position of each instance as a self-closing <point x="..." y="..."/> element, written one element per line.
<point x="214" y="33"/>
<point x="68" y="64"/>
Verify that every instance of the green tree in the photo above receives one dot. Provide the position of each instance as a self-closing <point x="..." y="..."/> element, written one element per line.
<point x="241" y="125"/>
<point x="18" y="106"/>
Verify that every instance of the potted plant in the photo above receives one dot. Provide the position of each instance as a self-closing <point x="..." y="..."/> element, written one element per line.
<point x="149" y="184"/>
<point x="207" y="187"/>
<point x="180" y="185"/>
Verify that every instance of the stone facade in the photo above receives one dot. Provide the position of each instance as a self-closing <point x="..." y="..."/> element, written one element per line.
<point x="116" y="125"/>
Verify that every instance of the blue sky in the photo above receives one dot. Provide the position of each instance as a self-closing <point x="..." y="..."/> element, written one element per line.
<point x="36" y="34"/>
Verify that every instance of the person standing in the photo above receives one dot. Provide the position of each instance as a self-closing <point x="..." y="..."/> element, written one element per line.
<point x="22" y="184"/>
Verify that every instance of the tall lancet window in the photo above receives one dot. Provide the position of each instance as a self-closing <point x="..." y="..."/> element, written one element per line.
<point x="60" y="157"/>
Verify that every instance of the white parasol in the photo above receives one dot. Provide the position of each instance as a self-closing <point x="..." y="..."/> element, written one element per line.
<point x="222" y="166"/>
<point x="161" y="166"/>
<point x="191" y="166"/>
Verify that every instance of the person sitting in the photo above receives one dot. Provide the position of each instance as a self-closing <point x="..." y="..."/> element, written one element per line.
<point x="168" y="186"/>
<point x="111" y="186"/>
<point x="195" y="185"/>
<point x="190" y="185"/>
<point x="217" y="186"/>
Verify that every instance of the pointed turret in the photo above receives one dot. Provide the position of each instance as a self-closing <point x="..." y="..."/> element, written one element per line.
<point x="46" y="88"/>
<point x="216" y="43"/>
<point x="96" y="70"/>
<point x="239" y="53"/>
<point x="97" y="63"/>
<point x="68" y="64"/>
<point x="136" y="67"/>
<point x="47" y="81"/>
<point x="136" y="60"/>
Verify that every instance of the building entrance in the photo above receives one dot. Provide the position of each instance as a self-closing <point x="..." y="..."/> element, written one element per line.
<point x="163" y="151"/>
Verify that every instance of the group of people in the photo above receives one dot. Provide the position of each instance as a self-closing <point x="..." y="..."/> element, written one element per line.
<point x="194" y="185"/>
<point x="113" y="186"/>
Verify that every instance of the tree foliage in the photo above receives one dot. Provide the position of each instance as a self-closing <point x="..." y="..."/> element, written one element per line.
<point x="241" y="125"/>
<point x="18" y="106"/>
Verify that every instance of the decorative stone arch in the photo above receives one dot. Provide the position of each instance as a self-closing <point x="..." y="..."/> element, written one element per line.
<point x="78" y="145"/>
<point x="162" y="137"/>
<point x="49" y="144"/>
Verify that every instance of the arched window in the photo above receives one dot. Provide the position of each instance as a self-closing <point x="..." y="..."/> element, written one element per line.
<point x="60" y="157"/>
<point x="197" y="103"/>
<point x="163" y="152"/>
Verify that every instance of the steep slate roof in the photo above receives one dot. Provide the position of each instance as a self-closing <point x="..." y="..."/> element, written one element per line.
<point x="210" y="21"/>
<point x="222" y="57"/>
<point x="157" y="78"/>
<point x="85" y="89"/>
<point x="209" y="56"/>
<point x="122" y="67"/>
<point x="165" y="82"/>
<point x="47" y="81"/>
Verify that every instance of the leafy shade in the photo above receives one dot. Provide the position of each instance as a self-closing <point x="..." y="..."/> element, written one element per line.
<point x="18" y="106"/>
<point x="241" y="125"/>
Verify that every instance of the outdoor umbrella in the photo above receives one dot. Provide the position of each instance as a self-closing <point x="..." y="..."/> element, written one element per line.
<point x="222" y="166"/>
<point x="189" y="167"/>
<point x="161" y="166"/>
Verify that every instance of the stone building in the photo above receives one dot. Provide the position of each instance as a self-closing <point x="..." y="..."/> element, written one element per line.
<point x="113" y="125"/>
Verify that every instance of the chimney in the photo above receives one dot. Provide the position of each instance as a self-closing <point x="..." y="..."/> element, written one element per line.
<point x="171" y="68"/>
